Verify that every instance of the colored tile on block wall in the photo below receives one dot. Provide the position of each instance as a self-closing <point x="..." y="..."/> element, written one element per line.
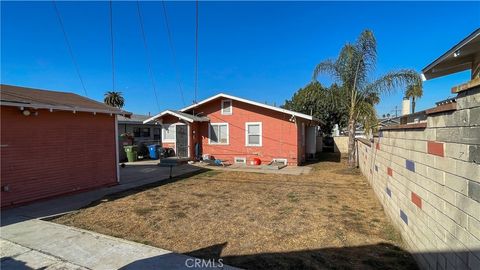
<point x="416" y="200"/>
<point x="435" y="148"/>
<point x="410" y="165"/>
<point x="377" y="145"/>
<point x="404" y="216"/>
<point x="388" y="191"/>
<point x="389" y="171"/>
<point x="380" y="133"/>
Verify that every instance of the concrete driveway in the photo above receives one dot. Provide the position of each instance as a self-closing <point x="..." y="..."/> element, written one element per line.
<point x="28" y="242"/>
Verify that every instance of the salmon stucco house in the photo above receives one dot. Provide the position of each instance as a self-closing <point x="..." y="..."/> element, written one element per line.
<point x="54" y="143"/>
<point x="238" y="130"/>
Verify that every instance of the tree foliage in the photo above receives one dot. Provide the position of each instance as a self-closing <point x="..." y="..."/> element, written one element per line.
<point x="414" y="91"/>
<point x="356" y="91"/>
<point x="114" y="99"/>
<point x="321" y="102"/>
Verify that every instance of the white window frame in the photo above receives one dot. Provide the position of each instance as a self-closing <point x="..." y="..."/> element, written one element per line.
<point x="166" y="127"/>
<point x="223" y="107"/>
<point x="244" y="160"/>
<point x="246" y="134"/>
<point x="210" y="130"/>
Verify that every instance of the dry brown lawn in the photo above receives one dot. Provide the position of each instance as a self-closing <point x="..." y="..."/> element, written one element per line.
<point x="328" y="219"/>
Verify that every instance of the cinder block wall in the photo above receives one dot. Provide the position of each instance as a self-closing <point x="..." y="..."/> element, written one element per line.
<point x="340" y="144"/>
<point x="428" y="181"/>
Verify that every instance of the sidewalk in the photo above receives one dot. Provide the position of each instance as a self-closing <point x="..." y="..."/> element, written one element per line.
<point x="30" y="243"/>
<point x="36" y="244"/>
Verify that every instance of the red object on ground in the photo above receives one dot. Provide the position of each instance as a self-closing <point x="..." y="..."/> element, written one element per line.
<point x="257" y="161"/>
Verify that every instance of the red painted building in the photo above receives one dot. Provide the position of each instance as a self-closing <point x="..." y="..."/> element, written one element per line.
<point x="54" y="143"/>
<point x="238" y="130"/>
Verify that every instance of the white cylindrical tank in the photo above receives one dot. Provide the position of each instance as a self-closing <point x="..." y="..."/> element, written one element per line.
<point x="311" y="140"/>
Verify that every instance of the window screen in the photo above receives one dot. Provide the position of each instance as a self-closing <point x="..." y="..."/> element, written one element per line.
<point x="219" y="133"/>
<point x="226" y="107"/>
<point x="254" y="134"/>
<point x="169" y="132"/>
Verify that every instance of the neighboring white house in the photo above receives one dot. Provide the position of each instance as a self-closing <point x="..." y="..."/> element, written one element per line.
<point x="142" y="133"/>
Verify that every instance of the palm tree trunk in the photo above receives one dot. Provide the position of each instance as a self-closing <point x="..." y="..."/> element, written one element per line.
<point x="351" y="142"/>
<point x="413" y="104"/>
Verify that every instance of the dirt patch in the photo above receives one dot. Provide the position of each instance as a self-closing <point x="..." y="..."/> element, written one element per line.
<point x="327" y="219"/>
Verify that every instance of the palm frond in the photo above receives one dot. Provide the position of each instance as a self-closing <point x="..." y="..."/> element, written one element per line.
<point x="367" y="116"/>
<point x="327" y="67"/>
<point x="414" y="90"/>
<point x="392" y="80"/>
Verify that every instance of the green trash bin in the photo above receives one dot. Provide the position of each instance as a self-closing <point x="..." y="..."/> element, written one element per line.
<point x="131" y="151"/>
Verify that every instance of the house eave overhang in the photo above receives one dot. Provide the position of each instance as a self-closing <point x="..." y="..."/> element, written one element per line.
<point x="180" y="116"/>
<point x="459" y="58"/>
<point x="223" y="95"/>
<point x="63" y="108"/>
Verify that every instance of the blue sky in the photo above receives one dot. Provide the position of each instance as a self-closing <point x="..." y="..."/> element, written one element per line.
<point x="263" y="51"/>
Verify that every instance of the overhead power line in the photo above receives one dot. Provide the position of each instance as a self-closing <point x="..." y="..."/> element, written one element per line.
<point x="69" y="47"/>
<point x="112" y="45"/>
<point x="196" y="51"/>
<point x="174" y="55"/>
<point x="149" y="64"/>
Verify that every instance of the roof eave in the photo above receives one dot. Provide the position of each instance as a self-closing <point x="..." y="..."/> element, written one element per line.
<point x="297" y="114"/>
<point x="63" y="108"/>
<point x="427" y="71"/>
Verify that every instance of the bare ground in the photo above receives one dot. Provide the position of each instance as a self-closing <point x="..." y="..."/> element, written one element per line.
<point x="328" y="219"/>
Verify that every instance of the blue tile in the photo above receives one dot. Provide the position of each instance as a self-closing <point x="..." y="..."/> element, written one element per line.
<point x="389" y="192"/>
<point x="404" y="217"/>
<point x="380" y="133"/>
<point x="376" y="168"/>
<point x="410" y="165"/>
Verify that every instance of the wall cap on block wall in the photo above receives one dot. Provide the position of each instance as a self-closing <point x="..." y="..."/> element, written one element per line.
<point x="443" y="108"/>
<point x="466" y="86"/>
<point x="407" y="126"/>
<point x="365" y="141"/>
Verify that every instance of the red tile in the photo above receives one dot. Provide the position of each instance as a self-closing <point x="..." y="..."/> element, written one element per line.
<point x="435" y="148"/>
<point x="417" y="200"/>
<point x="389" y="171"/>
<point x="377" y="146"/>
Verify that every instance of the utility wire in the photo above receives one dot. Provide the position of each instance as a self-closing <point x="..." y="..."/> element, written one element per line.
<point x="69" y="47"/>
<point x="113" y="48"/>
<point x="196" y="51"/>
<point x="172" y="49"/>
<point x="149" y="65"/>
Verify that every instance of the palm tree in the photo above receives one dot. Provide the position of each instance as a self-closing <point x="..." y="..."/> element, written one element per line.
<point x="114" y="99"/>
<point x="414" y="91"/>
<point x="351" y="71"/>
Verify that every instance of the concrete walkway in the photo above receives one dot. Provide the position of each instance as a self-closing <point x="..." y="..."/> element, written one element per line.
<point x="30" y="243"/>
<point x="36" y="244"/>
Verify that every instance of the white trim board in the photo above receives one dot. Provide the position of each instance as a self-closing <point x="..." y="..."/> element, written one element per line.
<point x="171" y="113"/>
